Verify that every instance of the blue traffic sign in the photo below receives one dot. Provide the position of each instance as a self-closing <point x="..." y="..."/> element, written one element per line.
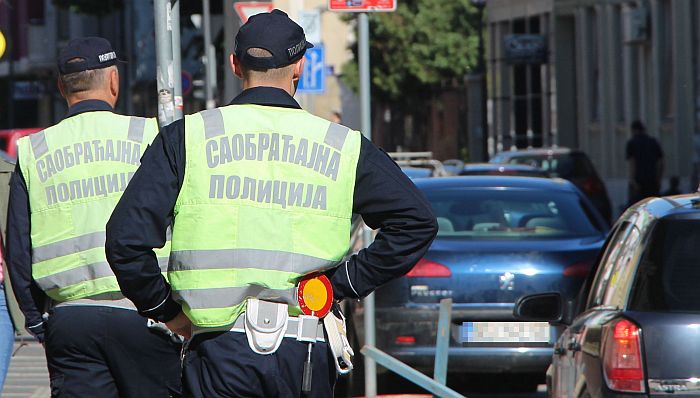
<point x="313" y="78"/>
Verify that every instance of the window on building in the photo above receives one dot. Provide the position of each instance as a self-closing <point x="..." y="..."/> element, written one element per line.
<point x="668" y="97"/>
<point x="593" y="64"/>
<point x="618" y="65"/>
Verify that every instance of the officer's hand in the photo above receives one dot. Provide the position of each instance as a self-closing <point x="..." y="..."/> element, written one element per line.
<point x="181" y="325"/>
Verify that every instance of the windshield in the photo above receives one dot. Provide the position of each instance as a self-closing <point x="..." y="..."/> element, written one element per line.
<point x="668" y="277"/>
<point x="496" y="213"/>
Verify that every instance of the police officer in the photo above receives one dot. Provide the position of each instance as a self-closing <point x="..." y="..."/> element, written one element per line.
<point x="262" y="194"/>
<point x="68" y="179"/>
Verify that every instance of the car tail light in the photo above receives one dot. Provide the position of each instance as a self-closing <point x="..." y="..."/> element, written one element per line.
<point x="578" y="270"/>
<point x="592" y="186"/>
<point x="429" y="269"/>
<point x="622" y="357"/>
<point x="405" y="340"/>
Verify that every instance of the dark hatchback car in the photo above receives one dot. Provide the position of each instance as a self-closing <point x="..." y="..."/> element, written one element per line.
<point x="637" y="332"/>
<point x="499" y="238"/>
<point x="571" y="164"/>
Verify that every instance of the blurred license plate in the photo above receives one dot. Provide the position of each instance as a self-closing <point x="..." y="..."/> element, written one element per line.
<point x="505" y="332"/>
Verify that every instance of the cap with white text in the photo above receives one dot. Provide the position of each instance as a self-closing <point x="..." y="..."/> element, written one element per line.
<point x="86" y="53"/>
<point x="275" y="32"/>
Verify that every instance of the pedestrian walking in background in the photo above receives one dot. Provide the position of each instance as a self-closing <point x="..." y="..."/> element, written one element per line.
<point x="645" y="161"/>
<point x="67" y="180"/>
<point x="262" y="195"/>
<point x="7" y="327"/>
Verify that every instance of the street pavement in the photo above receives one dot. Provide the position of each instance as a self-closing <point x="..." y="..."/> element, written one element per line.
<point x="28" y="376"/>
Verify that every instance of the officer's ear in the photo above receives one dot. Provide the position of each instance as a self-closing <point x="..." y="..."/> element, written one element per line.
<point x="61" y="89"/>
<point x="235" y="66"/>
<point x="298" y="68"/>
<point x="114" y="82"/>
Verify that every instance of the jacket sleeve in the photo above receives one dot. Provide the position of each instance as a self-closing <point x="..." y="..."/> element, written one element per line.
<point x="388" y="201"/>
<point x="30" y="297"/>
<point x="139" y="221"/>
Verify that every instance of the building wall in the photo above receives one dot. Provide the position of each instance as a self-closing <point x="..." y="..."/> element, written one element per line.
<point x="600" y="80"/>
<point x="652" y="79"/>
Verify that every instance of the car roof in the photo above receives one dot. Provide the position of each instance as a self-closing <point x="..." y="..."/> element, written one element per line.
<point x="497" y="166"/>
<point x="667" y="206"/>
<point x="538" y="152"/>
<point x="555" y="184"/>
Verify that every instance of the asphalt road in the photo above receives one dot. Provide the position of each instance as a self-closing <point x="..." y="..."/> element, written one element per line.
<point x="28" y="378"/>
<point x="481" y="386"/>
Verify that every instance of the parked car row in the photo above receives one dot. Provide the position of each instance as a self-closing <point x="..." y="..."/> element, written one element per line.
<point x="543" y="289"/>
<point x="570" y="164"/>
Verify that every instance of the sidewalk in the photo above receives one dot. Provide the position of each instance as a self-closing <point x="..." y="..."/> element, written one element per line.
<point x="27" y="376"/>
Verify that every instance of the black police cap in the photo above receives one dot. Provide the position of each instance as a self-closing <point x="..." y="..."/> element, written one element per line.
<point x="275" y="32"/>
<point x="86" y="53"/>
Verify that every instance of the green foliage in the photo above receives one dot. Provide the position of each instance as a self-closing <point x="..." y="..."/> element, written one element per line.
<point x="423" y="44"/>
<point x="91" y="7"/>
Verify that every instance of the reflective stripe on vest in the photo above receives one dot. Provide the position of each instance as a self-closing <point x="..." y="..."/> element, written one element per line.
<point x="76" y="172"/>
<point x="266" y="199"/>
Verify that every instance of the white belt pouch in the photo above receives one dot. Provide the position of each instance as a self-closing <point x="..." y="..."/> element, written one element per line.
<point x="265" y="325"/>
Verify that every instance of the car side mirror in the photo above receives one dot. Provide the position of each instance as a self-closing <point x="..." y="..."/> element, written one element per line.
<point x="542" y="307"/>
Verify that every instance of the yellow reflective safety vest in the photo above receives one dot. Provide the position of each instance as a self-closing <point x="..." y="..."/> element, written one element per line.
<point x="76" y="171"/>
<point x="267" y="198"/>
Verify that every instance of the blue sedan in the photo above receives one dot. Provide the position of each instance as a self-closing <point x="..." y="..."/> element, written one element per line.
<point x="499" y="238"/>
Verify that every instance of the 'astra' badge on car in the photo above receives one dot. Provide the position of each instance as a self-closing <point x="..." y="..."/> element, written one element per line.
<point x="505" y="332"/>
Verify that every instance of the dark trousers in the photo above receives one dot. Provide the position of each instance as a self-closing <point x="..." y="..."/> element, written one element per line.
<point x="219" y="365"/>
<point x="105" y="352"/>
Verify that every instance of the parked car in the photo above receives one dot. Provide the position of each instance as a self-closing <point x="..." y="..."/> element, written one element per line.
<point x="635" y="328"/>
<point x="417" y="172"/>
<point x="482" y="169"/>
<point x="8" y="139"/>
<point x="571" y="164"/>
<point x="499" y="238"/>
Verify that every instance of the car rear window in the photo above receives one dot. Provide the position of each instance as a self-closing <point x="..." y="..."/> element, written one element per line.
<point x="497" y="213"/>
<point x="668" y="276"/>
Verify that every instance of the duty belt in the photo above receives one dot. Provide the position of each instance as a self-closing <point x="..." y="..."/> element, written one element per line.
<point x="293" y="330"/>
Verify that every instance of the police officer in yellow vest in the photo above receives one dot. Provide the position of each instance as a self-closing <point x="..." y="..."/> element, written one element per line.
<point x="262" y="195"/>
<point x="68" y="179"/>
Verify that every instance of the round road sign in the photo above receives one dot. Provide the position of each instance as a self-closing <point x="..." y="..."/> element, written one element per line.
<point x="315" y="296"/>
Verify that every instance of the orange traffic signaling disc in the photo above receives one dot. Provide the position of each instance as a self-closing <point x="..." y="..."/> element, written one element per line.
<point x="315" y="295"/>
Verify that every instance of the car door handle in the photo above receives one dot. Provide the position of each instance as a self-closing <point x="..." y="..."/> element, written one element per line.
<point x="574" y="346"/>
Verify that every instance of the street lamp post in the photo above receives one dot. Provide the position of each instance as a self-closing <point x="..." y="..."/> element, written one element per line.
<point x="481" y="72"/>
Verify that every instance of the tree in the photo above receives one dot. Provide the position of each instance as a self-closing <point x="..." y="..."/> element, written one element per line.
<point x="424" y="44"/>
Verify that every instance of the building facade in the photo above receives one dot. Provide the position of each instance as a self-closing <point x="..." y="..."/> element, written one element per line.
<point x="608" y="63"/>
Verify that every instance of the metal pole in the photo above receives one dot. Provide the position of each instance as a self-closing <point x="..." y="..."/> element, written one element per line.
<point x="232" y="85"/>
<point x="164" y="60"/>
<point x="177" y="58"/>
<point x="484" y="94"/>
<point x="209" y="54"/>
<point x="9" y="50"/>
<point x="370" y="332"/>
<point x="365" y="110"/>
<point x="365" y="100"/>
<point x="442" y="344"/>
